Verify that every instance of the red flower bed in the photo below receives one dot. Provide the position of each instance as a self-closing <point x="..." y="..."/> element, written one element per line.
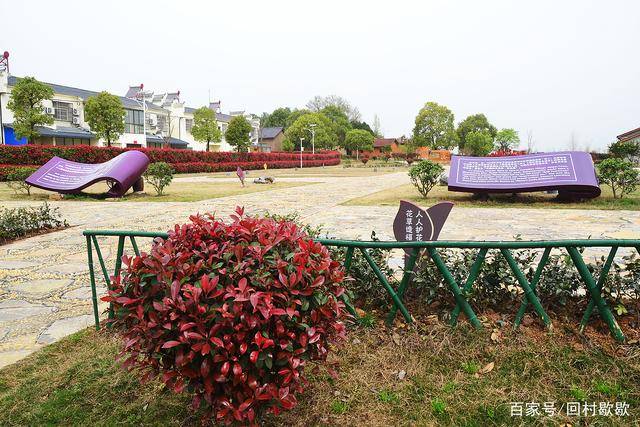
<point x="40" y="154"/>
<point x="183" y="161"/>
<point x="505" y="153"/>
<point x="230" y="312"/>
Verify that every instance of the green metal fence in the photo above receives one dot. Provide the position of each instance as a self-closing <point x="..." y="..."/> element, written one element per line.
<point x="459" y="290"/>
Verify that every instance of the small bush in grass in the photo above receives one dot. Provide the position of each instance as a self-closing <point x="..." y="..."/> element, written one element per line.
<point x="20" y="222"/>
<point x="16" y="180"/>
<point x="159" y="175"/>
<point x="231" y="312"/>
<point x="424" y="175"/>
<point x="620" y="175"/>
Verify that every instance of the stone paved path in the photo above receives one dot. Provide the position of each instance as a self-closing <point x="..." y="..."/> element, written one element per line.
<point x="44" y="285"/>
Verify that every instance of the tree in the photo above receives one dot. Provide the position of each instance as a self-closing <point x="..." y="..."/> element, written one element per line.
<point x="166" y="135"/>
<point x="159" y="175"/>
<point x="319" y="102"/>
<point x="238" y="133"/>
<point x="278" y="118"/>
<point x="339" y="120"/>
<point x="434" y="127"/>
<point x="362" y="125"/>
<point x="507" y="139"/>
<point x="474" y="123"/>
<point x="25" y="103"/>
<point x="424" y="175"/>
<point x="105" y="115"/>
<point x="620" y="175"/>
<point x="325" y="137"/>
<point x="625" y="149"/>
<point x="295" y="115"/>
<point x="359" y="139"/>
<point x="531" y="144"/>
<point x="377" y="129"/>
<point x="205" y="127"/>
<point x="478" y="143"/>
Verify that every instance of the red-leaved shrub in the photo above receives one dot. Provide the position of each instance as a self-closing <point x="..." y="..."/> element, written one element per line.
<point x="230" y="312"/>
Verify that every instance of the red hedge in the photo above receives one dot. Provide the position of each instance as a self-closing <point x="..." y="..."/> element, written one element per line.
<point x="230" y="312"/>
<point x="40" y="154"/>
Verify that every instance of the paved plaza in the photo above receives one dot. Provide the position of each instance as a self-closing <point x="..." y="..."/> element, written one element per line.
<point x="44" y="283"/>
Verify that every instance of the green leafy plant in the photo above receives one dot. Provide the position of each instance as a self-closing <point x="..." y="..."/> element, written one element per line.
<point x="26" y="104"/>
<point x="16" y="180"/>
<point x="438" y="407"/>
<point x="624" y="149"/>
<point x="388" y="396"/>
<point x="19" y="222"/>
<point x="339" y="407"/>
<point x="620" y="175"/>
<point x="478" y="143"/>
<point x="231" y="313"/>
<point x="238" y="134"/>
<point x="159" y="175"/>
<point x="425" y="175"/>
<point x="105" y="115"/>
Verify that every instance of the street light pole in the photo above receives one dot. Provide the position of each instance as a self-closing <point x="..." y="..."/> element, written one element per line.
<point x="301" y="150"/>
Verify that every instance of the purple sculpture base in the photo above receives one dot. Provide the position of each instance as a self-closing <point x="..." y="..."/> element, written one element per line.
<point x="570" y="173"/>
<point x="67" y="177"/>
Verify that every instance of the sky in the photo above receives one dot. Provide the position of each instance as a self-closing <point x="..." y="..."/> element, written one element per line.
<point x="565" y="74"/>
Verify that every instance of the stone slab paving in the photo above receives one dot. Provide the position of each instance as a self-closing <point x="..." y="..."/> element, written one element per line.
<point x="44" y="284"/>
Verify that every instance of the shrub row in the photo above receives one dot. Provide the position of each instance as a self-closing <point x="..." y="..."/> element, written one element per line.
<point x="40" y="154"/>
<point x="20" y="222"/>
<point x="231" y="166"/>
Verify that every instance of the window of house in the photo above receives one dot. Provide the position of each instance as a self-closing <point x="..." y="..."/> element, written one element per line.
<point x="133" y="122"/>
<point x="162" y="123"/>
<point x="62" y="111"/>
<point x="72" y="141"/>
<point x="188" y="124"/>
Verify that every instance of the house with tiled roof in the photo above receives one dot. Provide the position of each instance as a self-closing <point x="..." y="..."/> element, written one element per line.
<point x="151" y="119"/>
<point x="632" y="135"/>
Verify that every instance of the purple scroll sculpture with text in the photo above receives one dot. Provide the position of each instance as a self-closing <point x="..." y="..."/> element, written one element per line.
<point x="571" y="173"/>
<point x="67" y="177"/>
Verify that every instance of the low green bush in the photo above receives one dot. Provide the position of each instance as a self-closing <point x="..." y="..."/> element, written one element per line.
<point x="620" y="175"/>
<point x="425" y="175"/>
<point x="159" y="175"/>
<point x="16" y="180"/>
<point x="20" y="222"/>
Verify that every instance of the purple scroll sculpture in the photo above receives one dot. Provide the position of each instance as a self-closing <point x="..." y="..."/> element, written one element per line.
<point x="67" y="177"/>
<point x="571" y="173"/>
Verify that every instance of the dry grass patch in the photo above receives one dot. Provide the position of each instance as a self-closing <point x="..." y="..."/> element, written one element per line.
<point x="425" y="374"/>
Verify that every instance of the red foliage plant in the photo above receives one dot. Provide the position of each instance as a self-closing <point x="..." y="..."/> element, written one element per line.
<point x="230" y="312"/>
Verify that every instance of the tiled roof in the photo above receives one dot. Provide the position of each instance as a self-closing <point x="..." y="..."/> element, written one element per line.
<point x="384" y="142"/>
<point x="629" y="135"/>
<point x="270" y="133"/>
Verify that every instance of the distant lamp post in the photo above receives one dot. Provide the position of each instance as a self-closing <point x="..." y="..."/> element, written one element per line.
<point x="301" y="150"/>
<point x="311" y="129"/>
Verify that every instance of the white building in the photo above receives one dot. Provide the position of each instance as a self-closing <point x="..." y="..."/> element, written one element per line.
<point x="161" y="120"/>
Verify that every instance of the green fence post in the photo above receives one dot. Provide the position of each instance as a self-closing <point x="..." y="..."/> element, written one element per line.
<point x="103" y="267"/>
<point x="92" y="278"/>
<point x="387" y="286"/>
<point x="461" y="301"/>
<point x="534" y="283"/>
<point x="406" y="278"/>
<point x="134" y="245"/>
<point x="117" y="268"/>
<point x="473" y="275"/>
<point x="603" y="308"/>
<point x="603" y="277"/>
<point x="522" y="280"/>
<point x="345" y="298"/>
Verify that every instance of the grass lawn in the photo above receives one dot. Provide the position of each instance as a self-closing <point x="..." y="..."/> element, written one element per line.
<point x="392" y="196"/>
<point x="425" y="374"/>
<point x="176" y="192"/>
<point x="330" y="171"/>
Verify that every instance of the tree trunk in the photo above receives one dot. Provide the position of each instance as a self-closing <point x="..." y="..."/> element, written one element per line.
<point x="208" y="146"/>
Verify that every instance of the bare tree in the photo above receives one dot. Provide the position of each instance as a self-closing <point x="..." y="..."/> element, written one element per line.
<point x="317" y="103"/>
<point x="573" y="142"/>
<point x="166" y="136"/>
<point x="531" y="144"/>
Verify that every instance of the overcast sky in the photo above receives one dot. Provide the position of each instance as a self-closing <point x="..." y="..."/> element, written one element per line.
<point x="553" y="68"/>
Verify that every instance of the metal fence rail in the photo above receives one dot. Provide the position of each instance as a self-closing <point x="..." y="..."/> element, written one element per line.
<point x="459" y="290"/>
